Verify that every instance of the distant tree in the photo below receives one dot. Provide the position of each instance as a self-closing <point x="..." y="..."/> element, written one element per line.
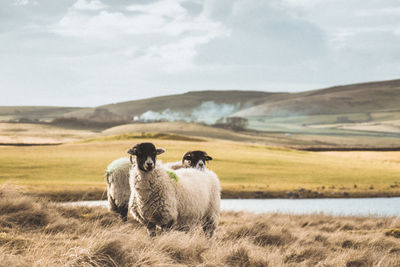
<point x="232" y="123"/>
<point x="343" y="119"/>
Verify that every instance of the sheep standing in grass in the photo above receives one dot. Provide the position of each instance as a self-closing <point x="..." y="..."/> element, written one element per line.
<point x="118" y="189"/>
<point x="192" y="159"/>
<point x="180" y="200"/>
<point x="117" y="178"/>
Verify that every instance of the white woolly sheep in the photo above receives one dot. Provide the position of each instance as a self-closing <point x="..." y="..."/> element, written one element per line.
<point x="117" y="178"/>
<point x="179" y="200"/>
<point x="118" y="189"/>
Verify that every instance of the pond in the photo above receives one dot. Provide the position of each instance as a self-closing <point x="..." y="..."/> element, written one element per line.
<point x="329" y="206"/>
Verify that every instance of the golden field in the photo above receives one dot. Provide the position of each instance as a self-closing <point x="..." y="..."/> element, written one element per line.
<point x="35" y="232"/>
<point x="76" y="170"/>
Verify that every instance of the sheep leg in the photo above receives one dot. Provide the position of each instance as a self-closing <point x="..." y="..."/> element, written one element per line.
<point x="151" y="229"/>
<point x="209" y="228"/>
<point x="113" y="206"/>
<point x="123" y="212"/>
<point x="167" y="227"/>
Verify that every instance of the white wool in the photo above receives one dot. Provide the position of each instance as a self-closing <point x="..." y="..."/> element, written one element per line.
<point x="193" y="199"/>
<point x="117" y="164"/>
<point x="198" y="195"/>
<point x="175" y="165"/>
<point x="117" y="180"/>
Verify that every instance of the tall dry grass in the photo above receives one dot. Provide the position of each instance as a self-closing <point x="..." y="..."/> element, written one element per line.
<point x="35" y="232"/>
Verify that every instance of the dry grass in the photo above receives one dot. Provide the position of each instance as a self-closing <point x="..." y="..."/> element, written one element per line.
<point x="34" y="232"/>
<point x="28" y="133"/>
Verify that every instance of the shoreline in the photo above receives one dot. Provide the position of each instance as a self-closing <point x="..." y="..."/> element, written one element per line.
<point x="67" y="195"/>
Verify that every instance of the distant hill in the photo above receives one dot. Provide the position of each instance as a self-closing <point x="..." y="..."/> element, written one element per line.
<point x="365" y="107"/>
<point x="188" y="106"/>
<point x="43" y="113"/>
<point x="355" y="98"/>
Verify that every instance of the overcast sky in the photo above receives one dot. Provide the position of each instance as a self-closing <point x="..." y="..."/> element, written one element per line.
<point x="93" y="52"/>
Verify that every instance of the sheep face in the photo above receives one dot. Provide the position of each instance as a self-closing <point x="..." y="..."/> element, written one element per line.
<point x="145" y="155"/>
<point x="196" y="159"/>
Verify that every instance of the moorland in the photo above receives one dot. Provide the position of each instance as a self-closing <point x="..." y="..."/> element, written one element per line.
<point x="35" y="232"/>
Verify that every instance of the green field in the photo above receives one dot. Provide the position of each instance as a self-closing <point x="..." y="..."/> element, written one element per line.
<point x="76" y="170"/>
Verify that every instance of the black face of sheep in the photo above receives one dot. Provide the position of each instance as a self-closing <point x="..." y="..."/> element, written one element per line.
<point x="145" y="155"/>
<point x="196" y="159"/>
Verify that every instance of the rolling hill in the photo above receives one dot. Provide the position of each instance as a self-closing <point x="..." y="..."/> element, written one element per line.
<point x="189" y="106"/>
<point x="356" y="98"/>
<point x="372" y="107"/>
<point x="42" y="113"/>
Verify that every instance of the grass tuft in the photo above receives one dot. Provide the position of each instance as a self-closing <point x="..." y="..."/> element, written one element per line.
<point x="50" y="234"/>
<point x="394" y="233"/>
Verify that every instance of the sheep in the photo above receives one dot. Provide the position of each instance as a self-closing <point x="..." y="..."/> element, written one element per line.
<point x="192" y="159"/>
<point x="117" y="178"/>
<point x="118" y="189"/>
<point x="176" y="200"/>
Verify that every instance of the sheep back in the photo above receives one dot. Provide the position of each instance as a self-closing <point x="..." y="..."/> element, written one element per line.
<point x="117" y="180"/>
<point x="174" y="165"/>
<point x="198" y="196"/>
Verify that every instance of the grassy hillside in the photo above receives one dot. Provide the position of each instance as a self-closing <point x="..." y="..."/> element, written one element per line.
<point x="356" y="98"/>
<point x="327" y="138"/>
<point x="184" y="103"/>
<point x="74" y="171"/>
<point x="25" y="133"/>
<point x="43" y="113"/>
<point x="34" y="232"/>
<point x="29" y="133"/>
<point x="368" y="108"/>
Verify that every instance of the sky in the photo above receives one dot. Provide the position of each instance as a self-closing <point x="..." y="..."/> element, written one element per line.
<point x="94" y="52"/>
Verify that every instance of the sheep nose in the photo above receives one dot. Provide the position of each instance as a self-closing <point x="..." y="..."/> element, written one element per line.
<point x="149" y="164"/>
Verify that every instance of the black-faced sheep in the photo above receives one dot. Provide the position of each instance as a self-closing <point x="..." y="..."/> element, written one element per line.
<point x="180" y="200"/>
<point x="192" y="159"/>
<point x="117" y="178"/>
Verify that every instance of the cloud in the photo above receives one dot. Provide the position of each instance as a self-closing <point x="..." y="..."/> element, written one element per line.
<point x="91" y="52"/>
<point x="162" y="33"/>
<point x="25" y="2"/>
<point x="21" y="2"/>
<point x="88" y="5"/>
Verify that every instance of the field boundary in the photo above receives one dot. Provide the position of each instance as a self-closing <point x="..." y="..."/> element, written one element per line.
<point x="30" y="144"/>
<point x="339" y="149"/>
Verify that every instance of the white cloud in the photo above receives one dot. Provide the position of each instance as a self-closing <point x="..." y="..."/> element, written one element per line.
<point x="89" y="5"/>
<point x="25" y="2"/>
<point x="174" y="34"/>
<point x="89" y="52"/>
<point x="21" y="2"/>
<point x="107" y="25"/>
<point x="168" y="8"/>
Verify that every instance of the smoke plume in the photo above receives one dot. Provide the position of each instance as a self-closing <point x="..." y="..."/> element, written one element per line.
<point x="208" y="112"/>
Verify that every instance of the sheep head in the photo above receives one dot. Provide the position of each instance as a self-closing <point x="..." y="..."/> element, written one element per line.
<point x="196" y="159"/>
<point x="146" y="154"/>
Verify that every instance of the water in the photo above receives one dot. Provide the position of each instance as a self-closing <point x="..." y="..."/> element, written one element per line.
<point x="329" y="206"/>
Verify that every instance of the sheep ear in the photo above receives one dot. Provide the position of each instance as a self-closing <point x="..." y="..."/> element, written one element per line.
<point x="208" y="158"/>
<point x="132" y="151"/>
<point x="188" y="156"/>
<point x="160" y="151"/>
